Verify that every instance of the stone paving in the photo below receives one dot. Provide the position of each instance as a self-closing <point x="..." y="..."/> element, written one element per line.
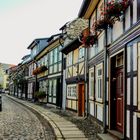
<point x="19" y="123"/>
<point x="87" y="125"/>
<point x="63" y="128"/>
<point x="65" y="124"/>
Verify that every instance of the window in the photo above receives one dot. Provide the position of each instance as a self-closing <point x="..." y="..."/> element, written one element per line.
<point x="60" y="66"/>
<point x="119" y="60"/>
<point x="92" y="20"/>
<point x="55" y="68"/>
<point x="59" y="54"/>
<point x="71" y="91"/>
<point x="91" y="83"/>
<point x="50" y="69"/>
<point x="99" y="82"/>
<point x="33" y="51"/>
<point x="46" y="60"/>
<point x="55" y="55"/>
<point x="69" y="59"/>
<point x="100" y="9"/>
<point x="50" y="87"/>
<point x="81" y="53"/>
<point x="54" y="87"/>
<point x="51" y="58"/>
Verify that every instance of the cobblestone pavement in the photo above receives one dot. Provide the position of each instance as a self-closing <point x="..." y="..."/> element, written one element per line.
<point x="19" y="123"/>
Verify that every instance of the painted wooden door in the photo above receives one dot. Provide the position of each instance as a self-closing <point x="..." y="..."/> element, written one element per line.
<point x="119" y="100"/>
<point x="81" y="100"/>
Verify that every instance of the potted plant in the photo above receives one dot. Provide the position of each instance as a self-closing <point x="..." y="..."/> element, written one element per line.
<point x="40" y="95"/>
<point x="43" y="68"/>
<point x="115" y="8"/>
<point x="103" y="24"/>
<point x="89" y="40"/>
<point x="39" y="70"/>
<point x="36" y="71"/>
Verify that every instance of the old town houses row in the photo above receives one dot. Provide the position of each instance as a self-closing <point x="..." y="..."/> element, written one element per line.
<point x="91" y="68"/>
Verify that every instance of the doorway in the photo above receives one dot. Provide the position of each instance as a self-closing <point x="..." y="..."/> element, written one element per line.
<point x="117" y="93"/>
<point x="81" y="100"/>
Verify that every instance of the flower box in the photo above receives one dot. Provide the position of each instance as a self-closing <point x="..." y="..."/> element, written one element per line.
<point x="103" y="24"/>
<point x="89" y="40"/>
<point x="115" y="8"/>
<point x="39" y="70"/>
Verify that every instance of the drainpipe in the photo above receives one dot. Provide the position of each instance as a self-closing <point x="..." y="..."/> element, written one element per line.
<point x="86" y="86"/>
<point x="105" y="77"/>
<point x="62" y="94"/>
<point x="105" y="80"/>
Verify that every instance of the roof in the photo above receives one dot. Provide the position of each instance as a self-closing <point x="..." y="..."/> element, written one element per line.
<point x="36" y="41"/>
<point x="64" y="26"/>
<point x="84" y="7"/>
<point x="25" y="57"/>
<point x="71" y="46"/>
<point x="52" y="39"/>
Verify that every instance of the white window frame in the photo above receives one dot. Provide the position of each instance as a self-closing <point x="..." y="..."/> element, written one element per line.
<point x="70" y="91"/>
<point x="99" y="96"/>
<point x="91" y="79"/>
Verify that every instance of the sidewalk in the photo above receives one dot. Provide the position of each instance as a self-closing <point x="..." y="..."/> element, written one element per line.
<point x="65" y="124"/>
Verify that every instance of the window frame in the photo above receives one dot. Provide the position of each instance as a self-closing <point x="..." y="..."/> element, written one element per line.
<point x="99" y="97"/>
<point x="70" y="91"/>
<point x="91" y="79"/>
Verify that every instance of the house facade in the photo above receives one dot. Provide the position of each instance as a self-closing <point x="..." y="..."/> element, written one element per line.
<point x="113" y="68"/>
<point x="55" y="71"/>
<point x="75" y="68"/>
<point x="4" y="75"/>
<point x="48" y="71"/>
<point x="36" y="46"/>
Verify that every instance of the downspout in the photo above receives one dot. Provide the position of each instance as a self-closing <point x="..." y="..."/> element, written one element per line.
<point x="61" y="74"/>
<point x="105" y="85"/>
<point x="105" y="78"/>
<point x="86" y="87"/>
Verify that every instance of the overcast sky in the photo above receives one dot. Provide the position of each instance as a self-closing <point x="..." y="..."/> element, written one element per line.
<point x="21" y="21"/>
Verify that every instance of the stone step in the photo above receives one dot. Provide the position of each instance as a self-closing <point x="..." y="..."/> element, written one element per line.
<point x="116" y="134"/>
<point x="106" y="137"/>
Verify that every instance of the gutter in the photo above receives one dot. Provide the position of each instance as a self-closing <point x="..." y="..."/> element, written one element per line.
<point x="83" y="8"/>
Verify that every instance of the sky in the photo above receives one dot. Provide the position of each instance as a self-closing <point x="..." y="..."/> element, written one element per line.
<point x="22" y="21"/>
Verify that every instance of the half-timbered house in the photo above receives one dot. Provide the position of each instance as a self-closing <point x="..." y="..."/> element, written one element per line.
<point x="113" y="62"/>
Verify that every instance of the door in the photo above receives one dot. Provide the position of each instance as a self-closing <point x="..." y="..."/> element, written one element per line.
<point x="81" y="100"/>
<point x="59" y="93"/>
<point x="119" y="99"/>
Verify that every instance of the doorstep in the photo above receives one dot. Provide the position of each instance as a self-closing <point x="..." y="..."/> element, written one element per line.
<point x="106" y="137"/>
<point x="116" y="134"/>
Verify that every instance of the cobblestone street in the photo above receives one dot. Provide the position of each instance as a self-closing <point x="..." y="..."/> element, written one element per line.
<point x="19" y="123"/>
